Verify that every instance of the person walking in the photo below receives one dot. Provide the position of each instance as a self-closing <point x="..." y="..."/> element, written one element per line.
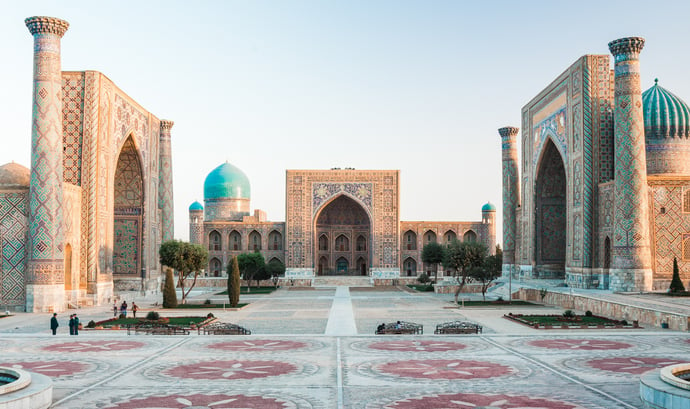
<point x="123" y="308"/>
<point x="134" y="309"/>
<point x="54" y="323"/>
<point x="71" y="324"/>
<point x="76" y="325"/>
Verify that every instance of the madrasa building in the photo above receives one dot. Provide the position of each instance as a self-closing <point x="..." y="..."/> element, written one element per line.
<point x="339" y="222"/>
<point x="87" y="219"/>
<point x="603" y="196"/>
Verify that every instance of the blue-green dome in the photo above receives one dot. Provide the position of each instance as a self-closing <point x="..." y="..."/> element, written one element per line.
<point x="665" y="115"/>
<point x="489" y="207"/>
<point x="196" y="206"/>
<point x="226" y="182"/>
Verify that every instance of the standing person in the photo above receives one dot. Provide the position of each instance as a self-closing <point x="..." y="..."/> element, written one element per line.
<point x="76" y="325"/>
<point x="123" y="308"/>
<point x="134" y="309"/>
<point x="115" y="309"/>
<point x="54" y="323"/>
<point x="71" y="324"/>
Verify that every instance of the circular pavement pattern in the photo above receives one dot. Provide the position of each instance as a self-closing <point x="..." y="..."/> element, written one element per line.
<point x="474" y="400"/>
<point x="233" y="369"/>
<point x="205" y="401"/>
<point x="579" y="344"/>
<point x="417" y="346"/>
<point x="93" y="346"/>
<point x="630" y="364"/>
<point x="444" y="369"/>
<point x="50" y="368"/>
<point x="259" y="345"/>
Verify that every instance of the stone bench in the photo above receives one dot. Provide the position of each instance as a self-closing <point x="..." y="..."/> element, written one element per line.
<point x="159" y="330"/>
<point x="458" y="327"/>
<point x="222" y="328"/>
<point x="400" y="328"/>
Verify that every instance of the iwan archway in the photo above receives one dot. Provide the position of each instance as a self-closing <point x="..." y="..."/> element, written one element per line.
<point x="550" y="214"/>
<point x="128" y="213"/>
<point x="343" y="238"/>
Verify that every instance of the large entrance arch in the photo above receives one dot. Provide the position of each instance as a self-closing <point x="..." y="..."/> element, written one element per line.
<point x="128" y="212"/>
<point x="550" y="214"/>
<point x="343" y="233"/>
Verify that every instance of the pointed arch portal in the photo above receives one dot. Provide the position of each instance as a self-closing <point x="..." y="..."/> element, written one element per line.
<point x="550" y="212"/>
<point x="128" y="211"/>
<point x="343" y="229"/>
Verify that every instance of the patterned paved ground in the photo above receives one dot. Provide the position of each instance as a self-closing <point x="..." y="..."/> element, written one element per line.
<point x="279" y="368"/>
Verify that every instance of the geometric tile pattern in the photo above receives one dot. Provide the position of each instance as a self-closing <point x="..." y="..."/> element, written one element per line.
<point x="126" y="246"/>
<point x="165" y="182"/>
<point x="13" y="229"/>
<point x="511" y="191"/>
<point x="72" y="125"/>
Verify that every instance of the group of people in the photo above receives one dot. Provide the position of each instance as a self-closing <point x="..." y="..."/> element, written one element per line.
<point x="123" y="309"/>
<point x="73" y="324"/>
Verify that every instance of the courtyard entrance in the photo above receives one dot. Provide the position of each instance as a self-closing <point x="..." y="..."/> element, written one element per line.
<point x="550" y="214"/>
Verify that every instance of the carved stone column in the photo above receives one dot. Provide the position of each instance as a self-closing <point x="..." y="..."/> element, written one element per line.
<point x="165" y="181"/>
<point x="511" y="193"/>
<point x="631" y="253"/>
<point x="45" y="257"/>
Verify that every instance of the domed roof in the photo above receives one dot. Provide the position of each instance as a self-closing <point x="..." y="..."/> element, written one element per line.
<point x="196" y="206"/>
<point x="489" y="207"/>
<point x="14" y="175"/>
<point x="665" y="115"/>
<point x="226" y="182"/>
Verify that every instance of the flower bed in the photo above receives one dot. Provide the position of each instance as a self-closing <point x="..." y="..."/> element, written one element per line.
<point x="573" y="322"/>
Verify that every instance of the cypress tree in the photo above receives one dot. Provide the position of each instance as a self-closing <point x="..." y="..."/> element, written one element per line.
<point x="676" y="285"/>
<point x="234" y="283"/>
<point x="169" y="294"/>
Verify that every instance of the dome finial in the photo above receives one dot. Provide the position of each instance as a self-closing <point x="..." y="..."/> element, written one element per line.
<point x="656" y="81"/>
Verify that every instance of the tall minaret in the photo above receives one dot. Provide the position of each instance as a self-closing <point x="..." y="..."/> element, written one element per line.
<point x="165" y="182"/>
<point x="196" y="223"/>
<point x="45" y="289"/>
<point x="511" y="194"/>
<point x="631" y="262"/>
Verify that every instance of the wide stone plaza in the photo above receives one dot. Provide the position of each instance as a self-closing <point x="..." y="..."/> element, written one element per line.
<point x="315" y="348"/>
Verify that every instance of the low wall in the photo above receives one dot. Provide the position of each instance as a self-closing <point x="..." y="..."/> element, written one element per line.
<point x="450" y="289"/>
<point x="618" y="311"/>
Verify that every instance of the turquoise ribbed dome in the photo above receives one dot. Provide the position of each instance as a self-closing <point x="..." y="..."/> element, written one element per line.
<point x="665" y="115"/>
<point x="489" y="207"/>
<point x="226" y="182"/>
<point x="196" y="206"/>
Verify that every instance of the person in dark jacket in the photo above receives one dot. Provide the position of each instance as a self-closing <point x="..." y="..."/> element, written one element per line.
<point x="71" y="324"/>
<point x="76" y="325"/>
<point x="54" y="323"/>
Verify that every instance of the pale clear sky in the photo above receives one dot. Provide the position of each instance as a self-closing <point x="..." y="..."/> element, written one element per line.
<point x="420" y="86"/>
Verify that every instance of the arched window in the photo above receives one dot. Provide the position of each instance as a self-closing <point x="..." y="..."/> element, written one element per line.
<point x="410" y="240"/>
<point x="361" y="243"/>
<point x="214" y="242"/>
<point x="254" y="241"/>
<point x="323" y="265"/>
<point x="235" y="241"/>
<point x="215" y="267"/>
<point x="342" y="266"/>
<point x="342" y="243"/>
<point x="410" y="267"/>
<point x="275" y="241"/>
<point x="470" y="236"/>
<point x="686" y="246"/>
<point x="362" y="266"/>
<point x="429" y="237"/>
<point x="450" y="236"/>
<point x="323" y="242"/>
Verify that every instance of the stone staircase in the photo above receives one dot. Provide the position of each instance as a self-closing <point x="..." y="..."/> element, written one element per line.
<point x="335" y="281"/>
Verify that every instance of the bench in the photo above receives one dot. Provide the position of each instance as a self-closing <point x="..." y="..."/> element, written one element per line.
<point x="159" y="329"/>
<point x="458" y="327"/>
<point x="222" y="328"/>
<point x="400" y="328"/>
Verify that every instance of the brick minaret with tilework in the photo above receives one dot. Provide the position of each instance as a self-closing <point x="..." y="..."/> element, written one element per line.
<point x="165" y="182"/>
<point x="45" y="267"/>
<point x="631" y="255"/>
<point x="511" y="193"/>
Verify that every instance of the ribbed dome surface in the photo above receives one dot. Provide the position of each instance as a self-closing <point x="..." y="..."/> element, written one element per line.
<point x="14" y="175"/>
<point x="665" y="115"/>
<point x="196" y="206"/>
<point x="226" y="182"/>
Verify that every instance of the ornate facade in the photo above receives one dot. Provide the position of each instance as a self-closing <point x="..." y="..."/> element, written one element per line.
<point x="87" y="219"/>
<point x="601" y="200"/>
<point x="338" y="222"/>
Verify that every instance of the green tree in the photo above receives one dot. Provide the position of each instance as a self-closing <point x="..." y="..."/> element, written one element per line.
<point x="234" y="283"/>
<point x="432" y="254"/>
<point x="676" y="284"/>
<point x="251" y="264"/>
<point x="461" y="258"/>
<point x="275" y="268"/>
<point x="185" y="258"/>
<point x="169" y="294"/>
<point x="489" y="271"/>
